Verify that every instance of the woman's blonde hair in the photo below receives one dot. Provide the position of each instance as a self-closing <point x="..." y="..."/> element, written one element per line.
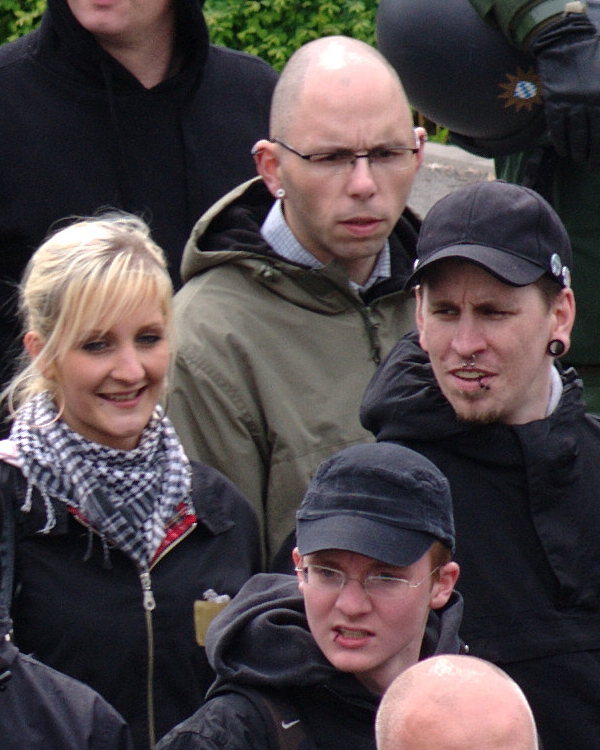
<point x="95" y="270"/>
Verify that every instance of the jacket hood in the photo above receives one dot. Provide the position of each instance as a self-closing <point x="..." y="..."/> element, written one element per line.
<point x="230" y="232"/>
<point x="403" y="401"/>
<point x="77" y="54"/>
<point x="262" y="639"/>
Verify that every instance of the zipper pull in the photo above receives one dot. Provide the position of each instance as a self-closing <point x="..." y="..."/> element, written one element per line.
<point x="149" y="601"/>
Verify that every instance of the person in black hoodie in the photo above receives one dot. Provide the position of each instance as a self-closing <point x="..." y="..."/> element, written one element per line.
<point x="123" y="104"/>
<point x="479" y="391"/>
<point x="373" y="594"/>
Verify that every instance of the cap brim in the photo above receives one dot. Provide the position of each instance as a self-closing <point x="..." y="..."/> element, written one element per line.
<point x="393" y="545"/>
<point x="502" y="264"/>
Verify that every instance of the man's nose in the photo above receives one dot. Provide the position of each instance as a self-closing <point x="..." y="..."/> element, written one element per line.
<point x="361" y="180"/>
<point x="468" y="336"/>
<point x="353" y="598"/>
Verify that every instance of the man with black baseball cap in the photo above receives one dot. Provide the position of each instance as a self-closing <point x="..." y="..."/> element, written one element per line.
<point x="478" y="389"/>
<point x="373" y="594"/>
<point x="508" y="230"/>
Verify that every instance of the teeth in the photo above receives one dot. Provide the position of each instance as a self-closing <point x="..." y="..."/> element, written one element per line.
<point x="470" y="374"/>
<point x="121" y="396"/>
<point x="352" y="633"/>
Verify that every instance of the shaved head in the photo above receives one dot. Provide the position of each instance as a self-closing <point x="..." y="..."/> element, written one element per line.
<point x="336" y="95"/>
<point x="455" y="703"/>
<point x="334" y="56"/>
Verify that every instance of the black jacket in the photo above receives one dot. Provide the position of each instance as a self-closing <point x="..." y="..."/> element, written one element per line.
<point x="87" y="619"/>
<point x="80" y="133"/>
<point x="42" y="709"/>
<point x="525" y="505"/>
<point x="262" y="641"/>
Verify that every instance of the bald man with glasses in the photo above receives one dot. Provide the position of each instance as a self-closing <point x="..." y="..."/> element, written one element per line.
<point x="294" y="282"/>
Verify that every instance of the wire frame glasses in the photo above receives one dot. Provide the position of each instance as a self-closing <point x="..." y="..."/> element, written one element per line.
<point x="331" y="580"/>
<point x="382" y="158"/>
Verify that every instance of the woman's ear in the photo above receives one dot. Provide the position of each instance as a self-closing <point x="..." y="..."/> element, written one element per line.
<point x="34" y="345"/>
<point x="32" y="341"/>
<point x="268" y="165"/>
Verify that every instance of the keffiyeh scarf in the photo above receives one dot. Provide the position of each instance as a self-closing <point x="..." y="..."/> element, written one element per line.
<point x="126" y="497"/>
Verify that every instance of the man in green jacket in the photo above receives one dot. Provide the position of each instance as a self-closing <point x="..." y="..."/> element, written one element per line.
<point x="294" y="282"/>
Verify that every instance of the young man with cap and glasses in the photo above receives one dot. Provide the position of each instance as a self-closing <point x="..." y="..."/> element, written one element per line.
<point x="373" y="594"/>
<point x="478" y="390"/>
<point x="295" y="281"/>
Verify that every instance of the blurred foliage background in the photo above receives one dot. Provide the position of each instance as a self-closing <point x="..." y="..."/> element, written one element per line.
<point x="272" y="29"/>
<point x="18" y="17"/>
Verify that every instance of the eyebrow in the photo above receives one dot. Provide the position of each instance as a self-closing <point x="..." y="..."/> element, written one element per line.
<point x="381" y="144"/>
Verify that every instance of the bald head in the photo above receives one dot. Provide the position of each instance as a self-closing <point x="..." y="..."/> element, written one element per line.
<point x="330" y="64"/>
<point x="455" y="703"/>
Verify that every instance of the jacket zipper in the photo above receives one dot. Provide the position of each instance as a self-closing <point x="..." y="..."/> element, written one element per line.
<point x="371" y="328"/>
<point x="149" y="607"/>
<point x="149" y="603"/>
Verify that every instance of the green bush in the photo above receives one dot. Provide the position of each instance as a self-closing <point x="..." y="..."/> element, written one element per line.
<point x="18" y="17"/>
<point x="273" y="29"/>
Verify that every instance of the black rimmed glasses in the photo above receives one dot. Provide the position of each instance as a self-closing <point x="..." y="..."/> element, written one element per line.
<point x="384" y="586"/>
<point x="392" y="158"/>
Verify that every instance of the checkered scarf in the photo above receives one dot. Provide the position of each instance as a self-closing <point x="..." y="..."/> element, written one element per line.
<point x="126" y="497"/>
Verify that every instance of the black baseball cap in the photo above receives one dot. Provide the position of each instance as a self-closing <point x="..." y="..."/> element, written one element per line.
<point x="381" y="500"/>
<point x="508" y="230"/>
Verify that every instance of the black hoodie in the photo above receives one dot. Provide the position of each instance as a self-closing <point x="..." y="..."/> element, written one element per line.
<point x="525" y="507"/>
<point x="80" y="133"/>
<point x="261" y="640"/>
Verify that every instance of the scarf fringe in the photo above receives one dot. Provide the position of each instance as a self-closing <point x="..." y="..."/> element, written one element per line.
<point x="127" y="497"/>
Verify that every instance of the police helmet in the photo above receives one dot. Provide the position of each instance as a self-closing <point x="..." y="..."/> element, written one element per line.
<point x="461" y="73"/>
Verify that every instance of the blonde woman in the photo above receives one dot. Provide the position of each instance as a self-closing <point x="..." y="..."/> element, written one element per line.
<point x="118" y="534"/>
